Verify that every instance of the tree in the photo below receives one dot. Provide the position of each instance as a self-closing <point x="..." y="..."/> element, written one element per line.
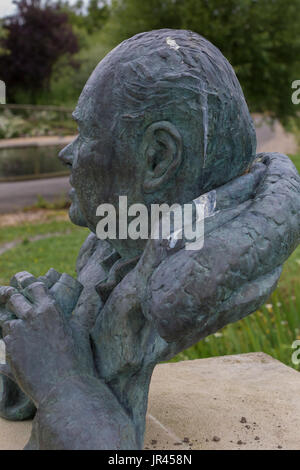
<point x="259" y="37"/>
<point x="92" y="18"/>
<point x="37" y="36"/>
<point x="2" y="36"/>
<point x="98" y="14"/>
<point x="129" y="17"/>
<point x="261" y="40"/>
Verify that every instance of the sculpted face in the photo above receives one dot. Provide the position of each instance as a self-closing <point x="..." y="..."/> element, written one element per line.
<point x="106" y="163"/>
<point x="99" y="174"/>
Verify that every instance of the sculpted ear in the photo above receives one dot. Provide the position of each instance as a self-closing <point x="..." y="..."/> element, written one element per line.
<point x="162" y="150"/>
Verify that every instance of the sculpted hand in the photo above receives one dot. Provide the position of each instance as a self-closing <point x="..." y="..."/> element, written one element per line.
<point x="51" y="359"/>
<point x="42" y="347"/>
<point x="63" y="288"/>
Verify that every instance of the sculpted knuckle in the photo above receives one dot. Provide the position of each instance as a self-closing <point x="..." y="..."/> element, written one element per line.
<point x="46" y="307"/>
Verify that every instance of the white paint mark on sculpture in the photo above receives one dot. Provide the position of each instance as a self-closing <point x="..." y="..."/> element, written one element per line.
<point x="172" y="43"/>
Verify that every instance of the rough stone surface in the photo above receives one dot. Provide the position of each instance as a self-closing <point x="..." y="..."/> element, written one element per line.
<point x="2" y="352"/>
<point x="212" y="404"/>
<point x="235" y="398"/>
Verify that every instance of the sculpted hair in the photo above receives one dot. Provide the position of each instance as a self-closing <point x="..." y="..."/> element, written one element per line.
<point x="179" y="76"/>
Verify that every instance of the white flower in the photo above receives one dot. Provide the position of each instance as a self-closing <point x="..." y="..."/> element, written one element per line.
<point x="218" y="335"/>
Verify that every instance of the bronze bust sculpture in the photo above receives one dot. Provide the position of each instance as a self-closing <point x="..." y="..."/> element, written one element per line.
<point x="162" y="119"/>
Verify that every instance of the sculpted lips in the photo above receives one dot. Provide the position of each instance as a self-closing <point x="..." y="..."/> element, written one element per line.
<point x="72" y="193"/>
<point x="72" y="190"/>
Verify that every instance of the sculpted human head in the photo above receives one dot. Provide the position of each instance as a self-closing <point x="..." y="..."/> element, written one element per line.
<point x="162" y="119"/>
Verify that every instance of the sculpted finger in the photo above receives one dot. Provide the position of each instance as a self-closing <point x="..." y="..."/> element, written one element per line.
<point x="244" y="301"/>
<point x="5" y="293"/>
<point x="50" y="278"/>
<point x="9" y="342"/>
<point x="7" y="339"/>
<point x="240" y="189"/>
<point x="37" y="292"/>
<point x="66" y="293"/>
<point x="250" y="296"/>
<point x="8" y="328"/>
<point x="22" y="280"/>
<point x="4" y="316"/>
<point x="6" y="370"/>
<point x="19" y="305"/>
<point x="222" y="217"/>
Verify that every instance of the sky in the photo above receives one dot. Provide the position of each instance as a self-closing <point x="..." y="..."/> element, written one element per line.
<point x="7" y="7"/>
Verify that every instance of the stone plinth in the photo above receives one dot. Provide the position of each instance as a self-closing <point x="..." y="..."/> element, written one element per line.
<point x="247" y="401"/>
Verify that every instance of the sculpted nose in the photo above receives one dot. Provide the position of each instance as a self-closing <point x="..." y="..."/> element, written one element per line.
<point x="66" y="154"/>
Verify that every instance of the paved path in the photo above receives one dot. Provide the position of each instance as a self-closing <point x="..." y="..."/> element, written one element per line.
<point x="271" y="137"/>
<point x="16" y="195"/>
<point x="40" y="141"/>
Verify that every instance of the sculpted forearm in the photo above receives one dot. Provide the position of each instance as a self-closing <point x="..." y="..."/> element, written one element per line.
<point x="81" y="413"/>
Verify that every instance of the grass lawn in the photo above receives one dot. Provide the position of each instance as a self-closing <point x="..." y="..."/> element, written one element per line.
<point x="296" y="160"/>
<point x="272" y="329"/>
<point x="59" y="251"/>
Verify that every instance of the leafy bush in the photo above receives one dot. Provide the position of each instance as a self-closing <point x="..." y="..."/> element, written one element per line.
<point x="59" y="203"/>
<point x="35" y="123"/>
<point x="12" y="126"/>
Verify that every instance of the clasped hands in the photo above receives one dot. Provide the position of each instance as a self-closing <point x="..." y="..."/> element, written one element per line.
<point x="43" y="345"/>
